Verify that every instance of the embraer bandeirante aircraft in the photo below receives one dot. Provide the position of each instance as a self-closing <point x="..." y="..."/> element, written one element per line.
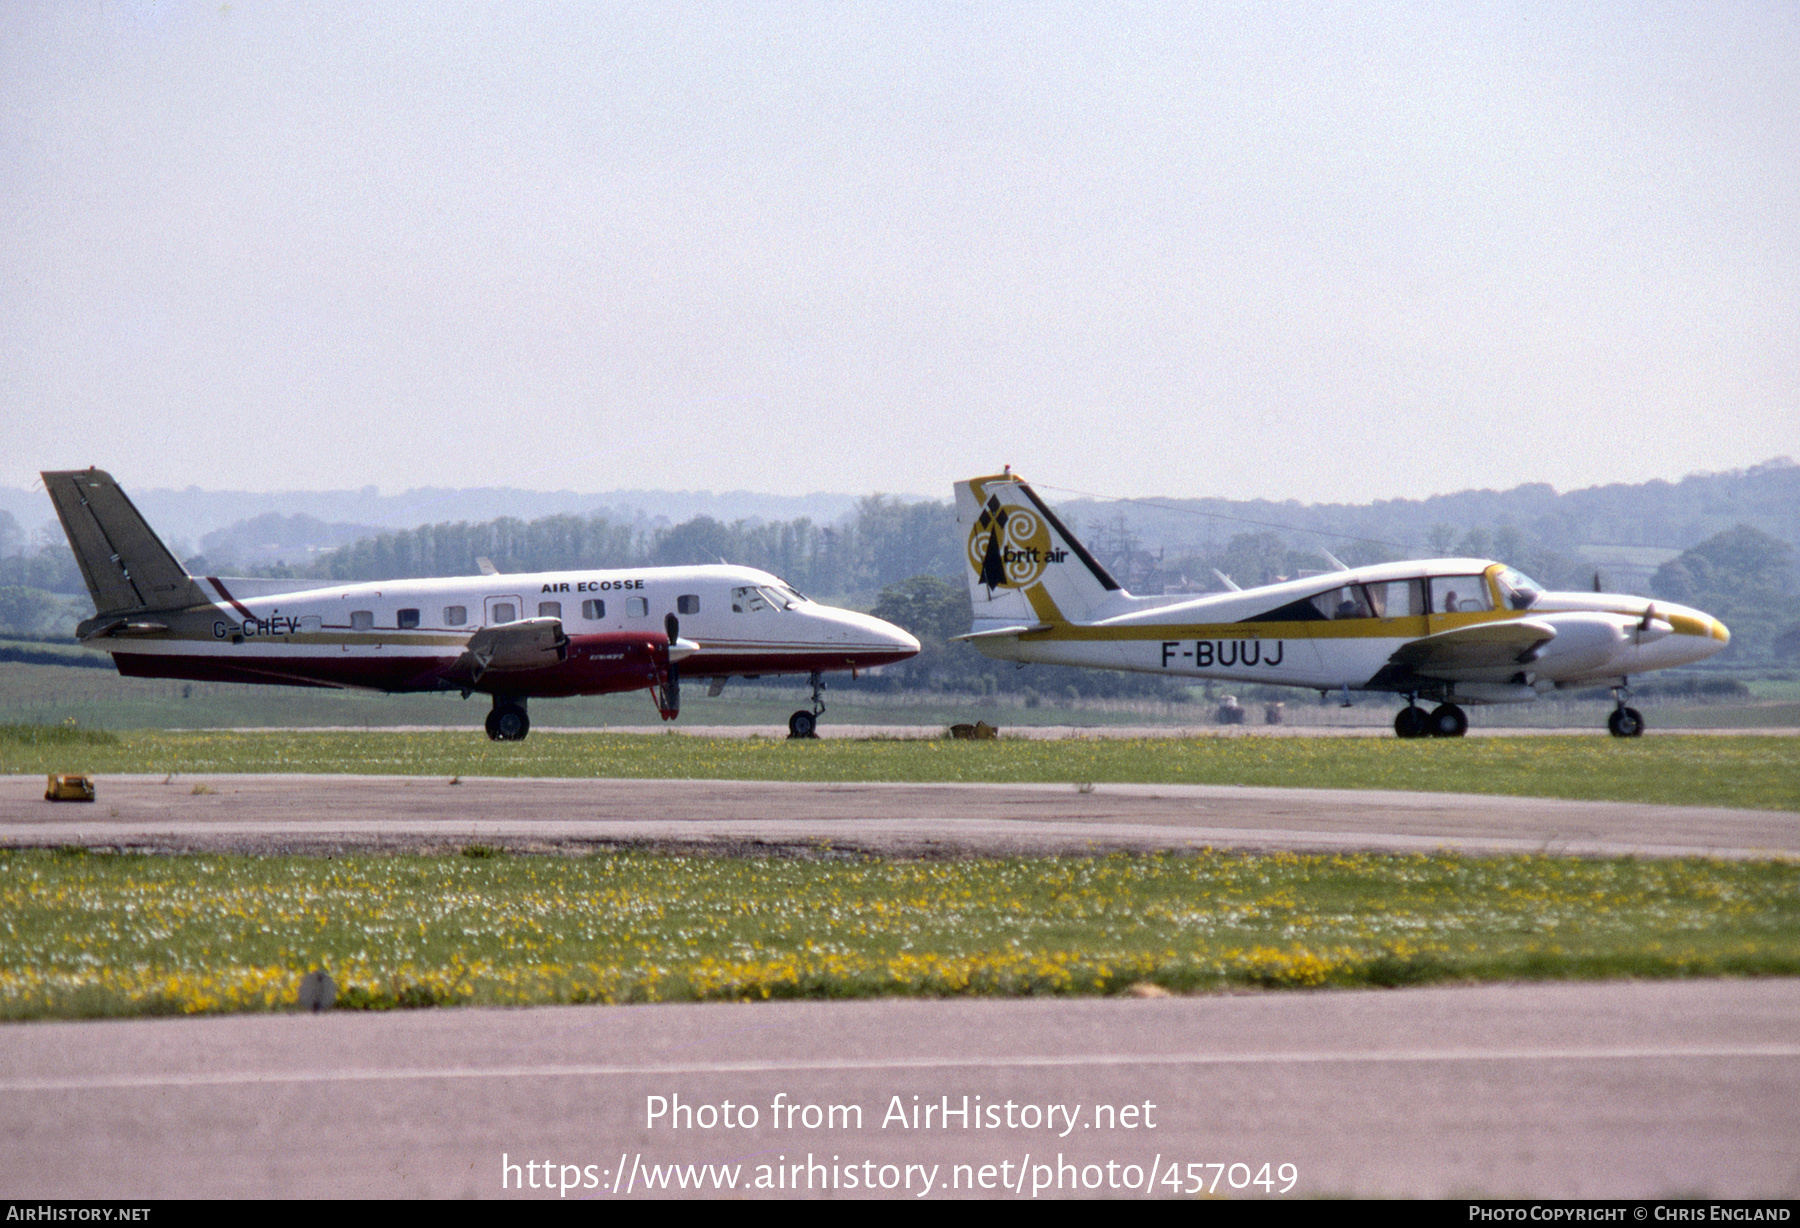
<point x="1449" y="631"/>
<point x="514" y="637"/>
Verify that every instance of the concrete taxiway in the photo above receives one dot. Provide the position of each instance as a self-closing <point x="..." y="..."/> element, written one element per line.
<point x="339" y="813"/>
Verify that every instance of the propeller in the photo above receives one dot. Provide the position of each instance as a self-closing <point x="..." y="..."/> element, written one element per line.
<point x="672" y="693"/>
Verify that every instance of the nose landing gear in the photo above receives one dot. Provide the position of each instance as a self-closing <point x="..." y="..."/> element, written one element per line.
<point x="804" y="724"/>
<point x="1624" y="722"/>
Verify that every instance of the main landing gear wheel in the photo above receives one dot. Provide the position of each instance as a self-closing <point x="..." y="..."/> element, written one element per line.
<point x="1412" y="722"/>
<point x="1448" y="721"/>
<point x="508" y="722"/>
<point x="1625" y="722"/>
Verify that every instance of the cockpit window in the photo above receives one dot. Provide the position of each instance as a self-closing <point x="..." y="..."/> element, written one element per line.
<point x="754" y="597"/>
<point x="1459" y="595"/>
<point x="1517" y="589"/>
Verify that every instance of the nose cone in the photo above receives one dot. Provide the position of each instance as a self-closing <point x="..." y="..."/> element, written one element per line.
<point x="1698" y="635"/>
<point x="896" y="642"/>
<point x="865" y="639"/>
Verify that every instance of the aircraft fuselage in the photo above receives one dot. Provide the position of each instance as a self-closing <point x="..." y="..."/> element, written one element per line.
<point x="1231" y="637"/>
<point x="411" y="635"/>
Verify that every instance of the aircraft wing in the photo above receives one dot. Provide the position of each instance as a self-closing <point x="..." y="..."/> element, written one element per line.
<point x="1485" y="646"/>
<point x="532" y="643"/>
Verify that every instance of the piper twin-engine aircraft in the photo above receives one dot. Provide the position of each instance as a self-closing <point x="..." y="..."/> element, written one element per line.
<point x="1450" y="631"/>
<point x="514" y="637"/>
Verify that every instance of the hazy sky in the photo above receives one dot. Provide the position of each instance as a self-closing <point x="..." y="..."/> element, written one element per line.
<point x="1294" y="250"/>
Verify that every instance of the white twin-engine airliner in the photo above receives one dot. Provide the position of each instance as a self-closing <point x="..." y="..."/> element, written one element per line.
<point x="1451" y="631"/>
<point x="514" y="637"/>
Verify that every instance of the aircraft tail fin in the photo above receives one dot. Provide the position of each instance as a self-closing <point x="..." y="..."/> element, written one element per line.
<point x="1024" y="565"/>
<point x="125" y="564"/>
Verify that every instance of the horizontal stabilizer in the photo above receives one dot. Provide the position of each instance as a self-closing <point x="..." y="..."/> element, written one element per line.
<point x="120" y="626"/>
<point x="1002" y="633"/>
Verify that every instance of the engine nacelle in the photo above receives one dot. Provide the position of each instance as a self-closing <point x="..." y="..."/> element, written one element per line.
<point x="1585" y="642"/>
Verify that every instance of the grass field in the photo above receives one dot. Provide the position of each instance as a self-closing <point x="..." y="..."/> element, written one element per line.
<point x="84" y="934"/>
<point x="90" y="935"/>
<point x="1749" y="772"/>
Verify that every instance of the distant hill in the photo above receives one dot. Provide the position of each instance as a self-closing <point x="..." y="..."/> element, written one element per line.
<point x="1625" y="530"/>
<point x="186" y="518"/>
<point x="1664" y="515"/>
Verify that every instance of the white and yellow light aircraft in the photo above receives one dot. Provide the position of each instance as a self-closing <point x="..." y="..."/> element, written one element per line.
<point x="1450" y="631"/>
<point x="514" y="637"/>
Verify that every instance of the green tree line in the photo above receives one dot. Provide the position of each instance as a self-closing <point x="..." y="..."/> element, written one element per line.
<point x="885" y="541"/>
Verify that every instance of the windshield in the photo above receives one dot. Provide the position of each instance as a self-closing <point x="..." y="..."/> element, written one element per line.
<point x="1517" y="589"/>
<point x="751" y="598"/>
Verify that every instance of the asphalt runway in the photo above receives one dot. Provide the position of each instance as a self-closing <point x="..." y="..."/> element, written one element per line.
<point x="1621" y="1090"/>
<point x="310" y="813"/>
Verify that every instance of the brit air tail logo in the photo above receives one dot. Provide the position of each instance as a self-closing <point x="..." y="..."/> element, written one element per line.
<point x="1009" y="547"/>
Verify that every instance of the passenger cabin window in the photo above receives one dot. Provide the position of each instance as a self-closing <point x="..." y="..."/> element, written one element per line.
<point x="1390" y="599"/>
<point x="1344" y="601"/>
<point x="1397" y="598"/>
<point x="637" y="607"/>
<point x="362" y="620"/>
<point x="1459" y="595"/>
<point x="687" y="603"/>
<point x="549" y="609"/>
<point x="593" y="611"/>
<point x="455" y="615"/>
<point x="406" y="619"/>
<point x="505" y="612"/>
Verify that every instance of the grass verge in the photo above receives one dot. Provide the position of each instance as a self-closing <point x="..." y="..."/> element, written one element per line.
<point x="97" y="935"/>
<point x="1745" y="772"/>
